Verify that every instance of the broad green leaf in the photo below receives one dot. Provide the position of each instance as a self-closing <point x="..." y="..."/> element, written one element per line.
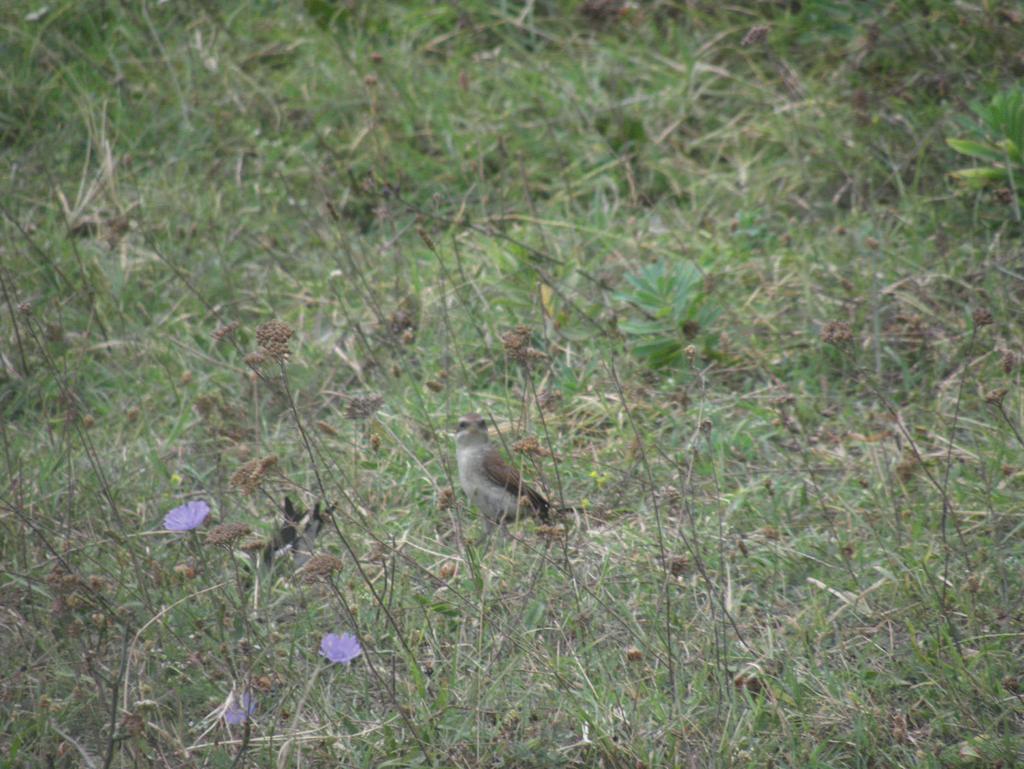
<point x="981" y="176"/>
<point x="659" y="353"/>
<point x="977" y="150"/>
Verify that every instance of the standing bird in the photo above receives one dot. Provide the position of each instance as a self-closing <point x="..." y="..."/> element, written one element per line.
<point x="492" y="484"/>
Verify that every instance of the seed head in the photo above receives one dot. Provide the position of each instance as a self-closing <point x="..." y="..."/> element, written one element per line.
<point x="402" y="320"/>
<point x="754" y="36"/>
<point x="678" y="565"/>
<point x="995" y="397"/>
<point x="603" y="11"/>
<point x="249" y="476"/>
<point x="548" y="399"/>
<point x="227" y="534"/>
<point x="1004" y="195"/>
<point x="836" y="332"/>
<point x="551" y="533"/>
<point x="277" y="351"/>
<point x="750" y="681"/>
<point x="255" y="359"/>
<point x="226" y="330"/>
<point x="982" y="317"/>
<point x="1008" y="361"/>
<point x="252" y="545"/>
<point x="273" y="337"/>
<point x="263" y="683"/>
<point x="326" y="428"/>
<point x="274" y="331"/>
<point x="132" y="724"/>
<point x="363" y="406"/>
<point x="531" y="446"/>
<point x="516" y="343"/>
<point x="62" y="581"/>
<point x="425" y="237"/>
<point x="445" y="498"/>
<point x="320" y="567"/>
<point x="98" y="584"/>
<point x="907" y="466"/>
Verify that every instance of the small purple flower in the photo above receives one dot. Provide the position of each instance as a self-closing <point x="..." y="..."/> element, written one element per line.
<point x="340" y="648"/>
<point x="239" y="709"/>
<point x="187" y="517"/>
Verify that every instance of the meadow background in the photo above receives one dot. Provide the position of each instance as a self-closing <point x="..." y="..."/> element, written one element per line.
<point x="715" y="271"/>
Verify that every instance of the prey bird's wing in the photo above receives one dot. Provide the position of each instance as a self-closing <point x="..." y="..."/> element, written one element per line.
<point x="503" y="474"/>
<point x="303" y="547"/>
<point x="297" y="535"/>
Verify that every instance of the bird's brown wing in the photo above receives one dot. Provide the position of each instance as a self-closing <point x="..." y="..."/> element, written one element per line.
<point x="503" y="474"/>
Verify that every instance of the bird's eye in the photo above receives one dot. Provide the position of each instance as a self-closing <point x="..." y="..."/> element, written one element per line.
<point x="462" y="424"/>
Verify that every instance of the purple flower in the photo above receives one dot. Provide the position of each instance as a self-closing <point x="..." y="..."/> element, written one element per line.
<point x="340" y="648"/>
<point x="187" y="517"/>
<point x="239" y="709"/>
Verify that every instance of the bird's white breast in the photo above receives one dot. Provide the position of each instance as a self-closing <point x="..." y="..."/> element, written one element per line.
<point x="493" y="500"/>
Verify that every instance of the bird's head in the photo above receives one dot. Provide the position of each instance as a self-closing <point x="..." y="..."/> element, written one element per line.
<point x="471" y="431"/>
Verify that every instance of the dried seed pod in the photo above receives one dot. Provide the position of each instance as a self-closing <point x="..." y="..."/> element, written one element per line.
<point x="836" y="332"/>
<point x="320" y="568"/>
<point x="227" y="534"/>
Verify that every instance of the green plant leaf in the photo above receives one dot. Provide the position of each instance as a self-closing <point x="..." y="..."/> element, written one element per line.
<point x="644" y="327"/>
<point x="981" y="176"/>
<point x="976" y="150"/>
<point x="659" y="353"/>
<point x="1013" y="150"/>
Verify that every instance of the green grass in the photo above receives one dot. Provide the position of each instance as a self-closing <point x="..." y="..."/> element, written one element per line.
<point x="793" y="553"/>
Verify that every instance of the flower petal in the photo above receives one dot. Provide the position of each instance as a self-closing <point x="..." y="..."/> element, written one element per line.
<point x="340" y="648"/>
<point x="187" y="517"/>
<point x="240" y="709"/>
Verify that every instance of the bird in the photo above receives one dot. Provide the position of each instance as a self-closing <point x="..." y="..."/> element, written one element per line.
<point x="494" y="486"/>
<point x="296" y="536"/>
